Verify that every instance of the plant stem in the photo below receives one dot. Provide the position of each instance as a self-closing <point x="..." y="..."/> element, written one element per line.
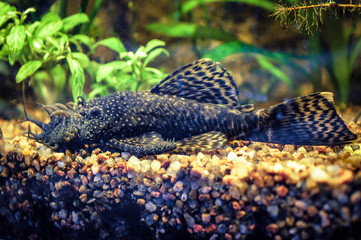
<point x="63" y="8"/>
<point x="83" y="6"/>
<point x="93" y="13"/>
<point x="328" y="5"/>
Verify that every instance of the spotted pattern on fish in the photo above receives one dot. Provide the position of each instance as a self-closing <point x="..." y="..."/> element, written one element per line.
<point x="194" y="108"/>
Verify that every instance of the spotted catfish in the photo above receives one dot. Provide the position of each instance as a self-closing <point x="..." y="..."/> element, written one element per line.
<point x="194" y="108"/>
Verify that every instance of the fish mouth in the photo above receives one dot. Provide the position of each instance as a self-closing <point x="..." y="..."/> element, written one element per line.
<point x="62" y="129"/>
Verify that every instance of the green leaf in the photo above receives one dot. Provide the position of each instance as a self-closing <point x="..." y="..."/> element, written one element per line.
<point x="191" y="30"/>
<point x="191" y="4"/>
<point x="82" y="58"/>
<point x="50" y="23"/>
<point x="82" y="39"/>
<point x="99" y="90"/>
<point x="27" y="70"/>
<point x="153" y="54"/>
<point x="106" y="69"/>
<point x="113" y="43"/>
<point x="59" y="77"/>
<point x="74" y="20"/>
<point x="226" y="49"/>
<point x="77" y="77"/>
<point x="154" y="43"/>
<point x="275" y="71"/>
<point x="354" y="53"/>
<point x="4" y="10"/>
<point x="4" y="53"/>
<point x="48" y="29"/>
<point x="16" y="41"/>
<point x="50" y="17"/>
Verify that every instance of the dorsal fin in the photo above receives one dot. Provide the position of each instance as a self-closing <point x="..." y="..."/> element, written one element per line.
<point x="204" y="80"/>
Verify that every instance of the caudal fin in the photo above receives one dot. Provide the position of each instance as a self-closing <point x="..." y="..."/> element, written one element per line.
<point x="307" y="120"/>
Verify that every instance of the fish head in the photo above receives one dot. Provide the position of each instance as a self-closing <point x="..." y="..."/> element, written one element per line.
<point x="97" y="120"/>
<point x="60" y="133"/>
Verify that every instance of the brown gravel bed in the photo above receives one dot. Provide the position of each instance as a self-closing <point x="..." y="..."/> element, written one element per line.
<point x="247" y="191"/>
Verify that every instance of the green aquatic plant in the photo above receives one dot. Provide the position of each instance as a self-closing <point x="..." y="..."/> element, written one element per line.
<point x="334" y="43"/>
<point x="47" y="50"/>
<point x="131" y="71"/>
<point x="43" y="48"/>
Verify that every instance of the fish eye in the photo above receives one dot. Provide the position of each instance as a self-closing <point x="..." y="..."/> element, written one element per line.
<point x="95" y="112"/>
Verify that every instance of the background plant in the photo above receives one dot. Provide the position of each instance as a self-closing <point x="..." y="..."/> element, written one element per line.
<point x="50" y="50"/>
<point x="42" y="48"/>
<point x="335" y="43"/>
<point x="182" y="24"/>
<point x="131" y="71"/>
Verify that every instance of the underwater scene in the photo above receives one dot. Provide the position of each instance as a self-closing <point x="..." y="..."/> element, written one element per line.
<point x="180" y="119"/>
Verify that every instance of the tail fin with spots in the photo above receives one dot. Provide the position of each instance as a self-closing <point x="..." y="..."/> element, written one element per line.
<point x="307" y="120"/>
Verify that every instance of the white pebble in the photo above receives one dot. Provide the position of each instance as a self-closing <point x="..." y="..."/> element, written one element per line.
<point x="231" y="156"/>
<point x="134" y="163"/>
<point x="95" y="169"/>
<point x="145" y="165"/>
<point x="155" y="165"/>
<point x="61" y="164"/>
<point x="125" y="155"/>
<point x="319" y="175"/>
<point x="175" y="166"/>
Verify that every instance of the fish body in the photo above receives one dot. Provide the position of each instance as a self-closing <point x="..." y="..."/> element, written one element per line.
<point x="194" y="108"/>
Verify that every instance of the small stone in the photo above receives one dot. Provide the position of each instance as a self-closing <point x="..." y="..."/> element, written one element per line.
<point x="74" y="217"/>
<point x="273" y="211"/>
<point x="53" y="205"/>
<point x="282" y="191"/>
<point x="273" y="228"/>
<point x="206" y="218"/>
<point x="319" y="175"/>
<point x="49" y="170"/>
<point x="83" y="197"/>
<point x="312" y="211"/>
<point x="178" y="186"/>
<point x="236" y="206"/>
<point x="204" y="197"/>
<point x="155" y="165"/>
<point x="141" y="202"/>
<point x="222" y="228"/>
<point x="189" y="220"/>
<point x="97" y="194"/>
<point x="231" y="156"/>
<point x="61" y="164"/>
<point x="197" y="228"/>
<point x="150" y="206"/>
<point x="301" y="224"/>
<point x="97" y="178"/>
<point x="63" y="214"/>
<point x="125" y="155"/>
<point x="219" y="218"/>
<point x="355" y="197"/>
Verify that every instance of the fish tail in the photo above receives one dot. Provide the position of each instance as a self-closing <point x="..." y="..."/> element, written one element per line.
<point x="307" y="120"/>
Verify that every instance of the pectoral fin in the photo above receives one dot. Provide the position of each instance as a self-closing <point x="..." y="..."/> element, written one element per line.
<point x="146" y="144"/>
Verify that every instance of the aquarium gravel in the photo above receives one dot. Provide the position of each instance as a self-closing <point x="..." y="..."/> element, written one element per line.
<point x="249" y="190"/>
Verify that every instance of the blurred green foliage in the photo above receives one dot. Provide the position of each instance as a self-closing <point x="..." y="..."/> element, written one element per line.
<point x="131" y="72"/>
<point x="50" y="50"/>
<point x="334" y="43"/>
<point x="270" y="62"/>
<point x="332" y="46"/>
<point x="42" y="48"/>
